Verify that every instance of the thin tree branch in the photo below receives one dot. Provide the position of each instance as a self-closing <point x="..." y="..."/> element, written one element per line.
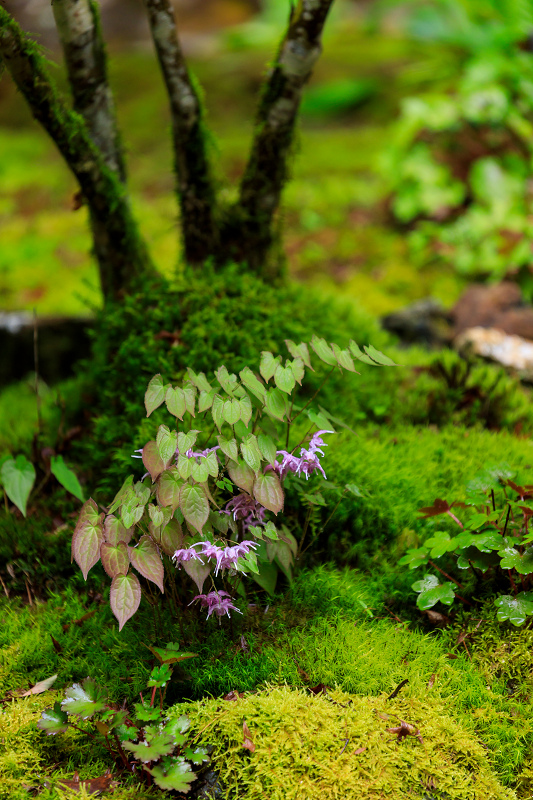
<point x="78" y="26"/>
<point x="194" y="185"/>
<point x="267" y="170"/>
<point x="121" y="252"/>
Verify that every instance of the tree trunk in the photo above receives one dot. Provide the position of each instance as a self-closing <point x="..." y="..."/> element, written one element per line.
<point x="120" y="250"/>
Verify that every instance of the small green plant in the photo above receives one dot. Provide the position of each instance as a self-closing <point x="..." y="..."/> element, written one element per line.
<point x="17" y="476"/>
<point x="183" y="508"/>
<point x="495" y="541"/>
<point x="144" y="741"/>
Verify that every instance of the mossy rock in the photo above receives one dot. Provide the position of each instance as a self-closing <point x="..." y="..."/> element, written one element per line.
<point x="336" y="745"/>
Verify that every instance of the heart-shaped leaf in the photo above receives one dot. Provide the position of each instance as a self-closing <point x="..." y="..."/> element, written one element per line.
<point x="178" y="776"/>
<point x="241" y="474"/>
<point x="199" y="380"/>
<point x="228" y="447"/>
<point x="268" y="365"/>
<point x="252" y="383"/>
<point x="175" y="401"/>
<point x="267" y="491"/>
<point x="199" y="471"/>
<point x="323" y="350"/>
<point x="232" y="411"/>
<point x="153" y="461"/>
<point x="87" y="539"/>
<point x="284" y="378"/>
<point x="194" y="506"/>
<point x="186" y="441"/>
<point x="205" y="400"/>
<point x="267" y="448"/>
<point x="227" y="381"/>
<point x="251" y="453"/>
<point x="170" y="538"/>
<point x="197" y="571"/>
<point x="190" y="398"/>
<point x="343" y="357"/>
<point x="125" y="597"/>
<point x="66" y="477"/>
<point x="18" y="476"/>
<point x="276" y="404"/>
<point x="146" y="560"/>
<point x="115" y="558"/>
<point x="167" y="442"/>
<point x="115" y="532"/>
<point x="299" y="351"/>
<point x="155" y="394"/>
<point x="169" y="484"/>
<point x="246" y="409"/>
<point x="159" y="516"/>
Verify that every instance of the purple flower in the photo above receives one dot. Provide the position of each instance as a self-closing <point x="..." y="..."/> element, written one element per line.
<point x="186" y="554"/>
<point x="247" y="509"/>
<point x="317" y="442"/>
<point x="289" y="463"/>
<point x="308" y="461"/>
<point x="218" y="602"/>
<point x="201" y="453"/>
<point x="226" y="557"/>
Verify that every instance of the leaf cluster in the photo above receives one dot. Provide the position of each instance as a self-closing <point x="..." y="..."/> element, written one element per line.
<point x="144" y="740"/>
<point x="17" y="477"/>
<point x="495" y="542"/>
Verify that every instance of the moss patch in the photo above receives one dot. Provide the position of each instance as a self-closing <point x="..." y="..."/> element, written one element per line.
<point x="336" y="746"/>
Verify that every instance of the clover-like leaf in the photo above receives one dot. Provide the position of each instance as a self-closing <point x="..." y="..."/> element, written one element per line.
<point x="439" y="544"/>
<point x="177" y="776"/>
<point x="431" y="591"/>
<point x="515" y="609"/>
<point x="414" y="558"/>
<point x="84" y="699"/>
<point x="53" y="720"/>
<point x="194" y="506"/>
<point x="124" y="597"/>
<point x="17" y="477"/>
<point x="511" y="558"/>
<point x="114" y="558"/>
<point x="155" y="394"/>
<point x="267" y="491"/>
<point x="160" y="676"/>
<point x="147" y="561"/>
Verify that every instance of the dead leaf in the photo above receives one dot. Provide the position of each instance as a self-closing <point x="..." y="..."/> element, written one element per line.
<point x="451" y="656"/>
<point x="40" y="687"/>
<point x="77" y="201"/>
<point x="431" y="681"/>
<point x="436" y="618"/>
<point x="248" y="744"/>
<point x="398" y="689"/>
<point x="320" y="688"/>
<point x="79" y="621"/>
<point x="92" y="785"/>
<point x="359" y="750"/>
<point x="439" y="507"/>
<point x="57" y="646"/>
<point x="233" y="695"/>
<point x="403" y="730"/>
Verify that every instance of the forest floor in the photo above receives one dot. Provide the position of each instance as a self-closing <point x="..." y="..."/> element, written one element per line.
<point x="332" y="665"/>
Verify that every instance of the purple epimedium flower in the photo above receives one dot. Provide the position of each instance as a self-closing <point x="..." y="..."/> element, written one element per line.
<point x="226" y="557"/>
<point x="186" y="554"/>
<point x="307" y="463"/>
<point x="247" y="509"/>
<point x="217" y="602"/>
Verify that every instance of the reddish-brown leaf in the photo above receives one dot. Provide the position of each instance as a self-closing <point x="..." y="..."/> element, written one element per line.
<point x="359" y="750"/>
<point x="432" y="681"/>
<point x="233" y="695"/>
<point x="92" y="786"/>
<point x="439" y="507"/>
<point x="247" y="743"/>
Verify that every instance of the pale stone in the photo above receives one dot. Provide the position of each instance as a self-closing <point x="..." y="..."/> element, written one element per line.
<point x="509" y="351"/>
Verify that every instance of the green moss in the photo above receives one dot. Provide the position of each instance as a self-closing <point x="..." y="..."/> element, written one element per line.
<point x="337" y="745"/>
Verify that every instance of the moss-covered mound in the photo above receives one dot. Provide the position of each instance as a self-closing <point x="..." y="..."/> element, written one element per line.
<point x="336" y="745"/>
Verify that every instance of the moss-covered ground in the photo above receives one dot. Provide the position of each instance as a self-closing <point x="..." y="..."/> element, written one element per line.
<point x="317" y="663"/>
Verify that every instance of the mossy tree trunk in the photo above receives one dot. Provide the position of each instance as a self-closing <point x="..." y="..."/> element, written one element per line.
<point x="88" y="139"/>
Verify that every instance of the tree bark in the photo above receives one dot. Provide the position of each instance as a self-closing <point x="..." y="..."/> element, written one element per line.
<point x="78" y="26"/>
<point x="194" y="185"/>
<point x="267" y="168"/>
<point x="120" y="250"/>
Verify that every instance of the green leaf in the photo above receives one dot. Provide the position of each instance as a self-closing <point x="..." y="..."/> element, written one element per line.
<point x="185" y="465"/>
<point x="115" y="532"/>
<point x="124" y="597"/>
<point x="299" y="351"/>
<point x="267" y="448"/>
<point x="175" y="401"/>
<point x="432" y="592"/>
<point x="205" y="400"/>
<point x="85" y="699"/>
<point x="212" y="464"/>
<point x="242" y="475"/>
<point x="228" y="447"/>
<point x="146" y="560"/>
<point x="178" y="776"/>
<point x="131" y="512"/>
<point x="267" y="576"/>
<point x="158" y="516"/>
<point x="515" y="609"/>
<point x="232" y="411"/>
<point x="379" y="358"/>
<point x="227" y="381"/>
<point x="246" y="409"/>
<point x="187" y="440"/>
<point x="125" y="491"/>
<point x="199" y="380"/>
<point x="160" y="676"/>
<point x="115" y="558"/>
<point x="512" y="559"/>
<point x="167" y="442"/>
<point x="276" y="403"/>
<point x="194" y="506"/>
<point x="197" y="572"/>
<point x="359" y="355"/>
<point x="217" y="411"/>
<point x="147" y="713"/>
<point x="199" y="471"/>
<point x="318" y="419"/>
<point x="282" y="553"/>
<point x="284" y="378"/>
<point x="267" y="491"/>
<point x="190" y="398"/>
<point x="66" y="477"/>
<point x="170" y="538"/>
<point x="160" y="746"/>
<point x="414" y="558"/>
<point x="170" y="654"/>
<point x="18" y="476"/>
<point x="177" y="726"/>
<point x="152" y="460"/>
<point x="252" y="383"/>
<point x="169" y="484"/>
<point x="298" y="369"/>
<point x="251" y="453"/>
<point x="53" y="720"/>
<point x="198" y="756"/>
<point x="268" y="365"/>
<point x="343" y="357"/>
<point x="155" y="394"/>
<point x="439" y="544"/>
<point x="88" y="537"/>
<point x="323" y="351"/>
